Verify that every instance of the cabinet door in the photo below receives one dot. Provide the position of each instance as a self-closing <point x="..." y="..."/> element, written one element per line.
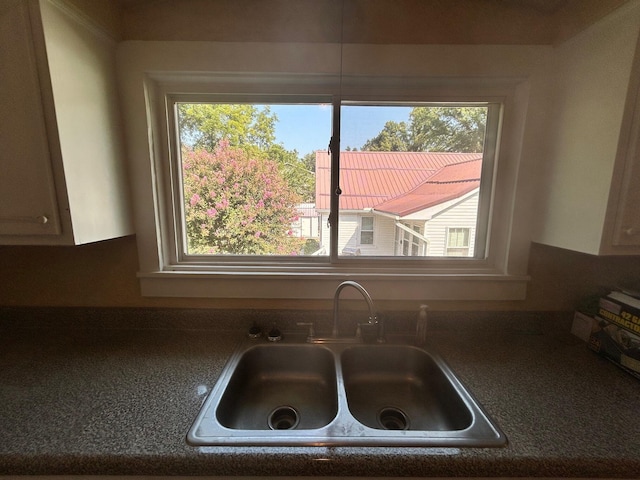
<point x="627" y="226"/>
<point x="627" y="219"/>
<point x="28" y="204"/>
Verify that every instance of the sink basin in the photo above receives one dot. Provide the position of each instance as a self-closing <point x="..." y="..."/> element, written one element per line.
<point x="292" y="393"/>
<point x="401" y="388"/>
<point x="291" y="386"/>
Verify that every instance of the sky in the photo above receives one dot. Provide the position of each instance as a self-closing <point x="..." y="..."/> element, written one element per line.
<point x="307" y="128"/>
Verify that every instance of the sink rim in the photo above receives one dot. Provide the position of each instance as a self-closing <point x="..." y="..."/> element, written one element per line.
<point x="344" y="429"/>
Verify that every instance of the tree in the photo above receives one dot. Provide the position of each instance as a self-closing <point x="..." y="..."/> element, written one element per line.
<point x="448" y="129"/>
<point x="295" y="171"/>
<point x="237" y="204"/>
<point x="309" y="161"/>
<point x="204" y="125"/>
<point x="245" y="126"/>
<point x="434" y="129"/>
<point x="394" y="137"/>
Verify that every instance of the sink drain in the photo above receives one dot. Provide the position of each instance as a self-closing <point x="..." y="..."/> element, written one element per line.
<point x="283" y="418"/>
<point x="392" y="418"/>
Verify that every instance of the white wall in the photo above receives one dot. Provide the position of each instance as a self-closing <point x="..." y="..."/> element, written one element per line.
<point x="492" y="72"/>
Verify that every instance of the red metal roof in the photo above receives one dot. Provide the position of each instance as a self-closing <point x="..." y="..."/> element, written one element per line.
<point x="397" y="182"/>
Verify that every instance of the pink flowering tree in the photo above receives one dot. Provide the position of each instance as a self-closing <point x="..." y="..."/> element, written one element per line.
<point x="236" y="204"/>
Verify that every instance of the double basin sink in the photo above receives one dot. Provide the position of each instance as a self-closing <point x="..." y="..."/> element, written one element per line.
<point x="293" y="393"/>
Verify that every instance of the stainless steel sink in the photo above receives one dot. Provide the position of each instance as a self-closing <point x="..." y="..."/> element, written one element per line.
<point x="293" y="393"/>
<point x="395" y="387"/>
<point x="283" y="388"/>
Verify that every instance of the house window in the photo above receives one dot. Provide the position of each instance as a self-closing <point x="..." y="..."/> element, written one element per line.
<point x="458" y="242"/>
<point x="219" y="204"/>
<point x="415" y="242"/>
<point x="366" y="230"/>
<point x="411" y="240"/>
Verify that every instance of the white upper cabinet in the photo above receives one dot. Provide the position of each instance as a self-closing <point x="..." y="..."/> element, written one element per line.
<point x="62" y="163"/>
<point x="588" y="199"/>
<point x="624" y="201"/>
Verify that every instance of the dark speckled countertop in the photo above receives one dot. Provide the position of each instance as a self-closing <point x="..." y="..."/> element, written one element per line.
<point x="114" y="392"/>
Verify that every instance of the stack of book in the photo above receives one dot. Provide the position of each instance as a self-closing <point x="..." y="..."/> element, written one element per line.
<point x="616" y="331"/>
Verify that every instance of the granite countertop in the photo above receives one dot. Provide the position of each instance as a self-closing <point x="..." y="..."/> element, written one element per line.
<point x="94" y="396"/>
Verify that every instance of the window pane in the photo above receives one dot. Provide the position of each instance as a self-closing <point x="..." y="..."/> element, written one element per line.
<point x="458" y="237"/>
<point x="249" y="178"/>
<point x="458" y="242"/>
<point x="366" y="238"/>
<point x="417" y="166"/>
<point x="367" y="223"/>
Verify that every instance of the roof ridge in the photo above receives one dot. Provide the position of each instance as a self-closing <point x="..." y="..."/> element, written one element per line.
<point x="452" y="165"/>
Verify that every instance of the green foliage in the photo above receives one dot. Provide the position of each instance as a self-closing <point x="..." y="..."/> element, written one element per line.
<point x="309" y="162"/>
<point x="294" y="170"/>
<point x="245" y="126"/>
<point x="311" y="246"/>
<point x="448" y="129"/>
<point x="204" y="125"/>
<point x="237" y="204"/>
<point x="394" y="137"/>
<point x="434" y="129"/>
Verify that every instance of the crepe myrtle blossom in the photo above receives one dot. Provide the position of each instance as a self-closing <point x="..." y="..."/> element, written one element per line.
<point x="236" y="204"/>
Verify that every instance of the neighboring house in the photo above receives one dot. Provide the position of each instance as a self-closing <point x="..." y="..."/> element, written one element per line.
<point x="402" y="203"/>
<point x="307" y="223"/>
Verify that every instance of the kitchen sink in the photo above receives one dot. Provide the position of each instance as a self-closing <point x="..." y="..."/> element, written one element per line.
<point x="283" y="388"/>
<point x="401" y="388"/>
<point x="338" y="394"/>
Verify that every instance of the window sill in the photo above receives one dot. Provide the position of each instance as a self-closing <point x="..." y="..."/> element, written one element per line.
<point x="321" y="285"/>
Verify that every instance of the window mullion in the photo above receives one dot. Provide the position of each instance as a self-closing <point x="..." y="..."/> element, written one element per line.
<point x="335" y="181"/>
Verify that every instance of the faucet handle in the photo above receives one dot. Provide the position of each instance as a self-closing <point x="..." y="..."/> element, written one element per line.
<point x="312" y="333"/>
<point x="375" y="320"/>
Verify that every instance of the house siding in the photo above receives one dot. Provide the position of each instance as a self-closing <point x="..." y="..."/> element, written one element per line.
<point x="349" y="234"/>
<point x="462" y="215"/>
<point x="383" y="237"/>
<point x="385" y="241"/>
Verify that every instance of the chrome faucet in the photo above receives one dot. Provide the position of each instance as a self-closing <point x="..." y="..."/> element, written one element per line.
<point x="373" y="319"/>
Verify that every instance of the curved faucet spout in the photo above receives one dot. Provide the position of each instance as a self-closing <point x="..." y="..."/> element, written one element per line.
<point x="336" y="304"/>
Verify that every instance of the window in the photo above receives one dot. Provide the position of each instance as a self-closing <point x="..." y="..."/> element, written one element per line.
<point x="247" y="177"/>
<point x="366" y="231"/>
<point x="411" y="241"/>
<point x="200" y="243"/>
<point x="246" y="168"/>
<point x="458" y="242"/>
<point x="411" y="162"/>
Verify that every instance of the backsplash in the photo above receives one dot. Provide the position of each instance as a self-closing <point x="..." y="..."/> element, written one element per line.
<point x="101" y="318"/>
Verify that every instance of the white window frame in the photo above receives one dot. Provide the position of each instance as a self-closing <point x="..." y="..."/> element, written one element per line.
<point x="501" y="274"/>
<point x="372" y="231"/>
<point x="448" y="237"/>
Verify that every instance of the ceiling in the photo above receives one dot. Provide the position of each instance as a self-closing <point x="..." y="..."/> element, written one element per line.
<point x="507" y="22"/>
